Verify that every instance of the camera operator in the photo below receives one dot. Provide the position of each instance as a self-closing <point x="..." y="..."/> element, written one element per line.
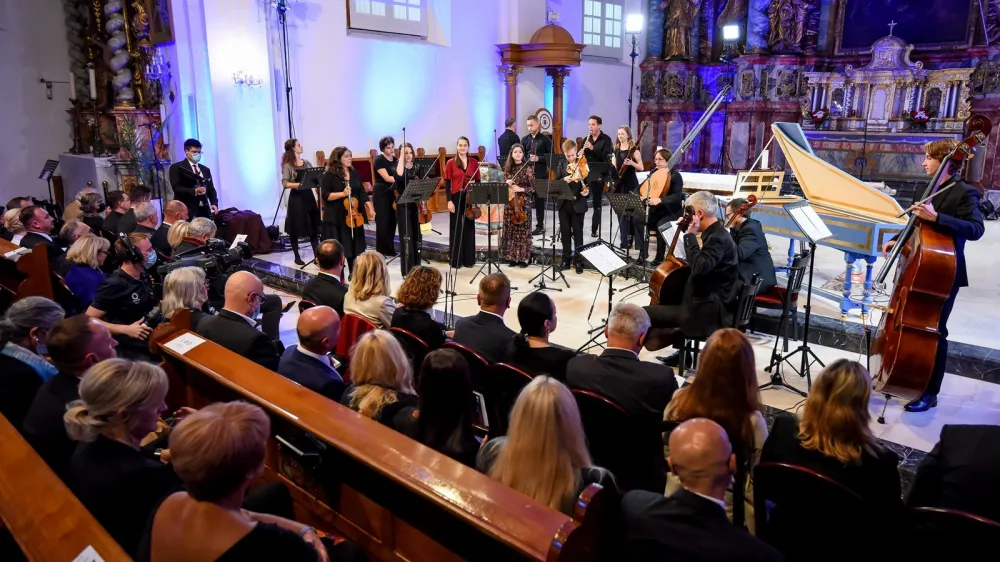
<point x="125" y="298"/>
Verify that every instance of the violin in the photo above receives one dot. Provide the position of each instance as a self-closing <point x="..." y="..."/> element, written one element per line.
<point x="751" y="201"/>
<point x="354" y="217"/>
<point x="667" y="282"/>
<point x="518" y="214"/>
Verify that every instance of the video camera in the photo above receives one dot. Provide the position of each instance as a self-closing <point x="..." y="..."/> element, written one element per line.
<point x="215" y="257"/>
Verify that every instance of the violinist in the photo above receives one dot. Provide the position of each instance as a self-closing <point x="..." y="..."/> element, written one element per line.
<point x="407" y="215"/>
<point x="571" y="212"/>
<point x="538" y="147"/>
<point x="626" y="157"/>
<point x="515" y="240"/>
<point x="954" y="212"/>
<point x="751" y="246"/>
<point x="597" y="147"/>
<point x="665" y="189"/>
<point x="302" y="217"/>
<point x="382" y="193"/>
<point x="342" y="188"/>
<point x="458" y="172"/>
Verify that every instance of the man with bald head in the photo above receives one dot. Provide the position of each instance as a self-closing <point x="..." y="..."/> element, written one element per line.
<point x="235" y="327"/>
<point x="174" y="211"/>
<point x="691" y="525"/>
<point x="309" y="362"/>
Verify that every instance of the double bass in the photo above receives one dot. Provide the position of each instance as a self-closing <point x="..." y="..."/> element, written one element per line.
<point x="906" y="341"/>
<point x="667" y="282"/>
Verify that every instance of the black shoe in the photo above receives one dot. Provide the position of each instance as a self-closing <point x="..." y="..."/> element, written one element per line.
<point x="522" y="264"/>
<point x="921" y="404"/>
<point x="564" y="266"/>
<point x="655" y="263"/>
<point x="593" y="233"/>
<point x="579" y="268"/>
<point x="640" y="263"/>
<point x="539" y="230"/>
<point x="673" y="360"/>
<point x="298" y="261"/>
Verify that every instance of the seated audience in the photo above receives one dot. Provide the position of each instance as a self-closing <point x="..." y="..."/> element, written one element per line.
<point x="381" y="380"/>
<point x="175" y="211"/>
<point x="833" y="437"/>
<point x="93" y="207"/>
<point x="118" y="204"/>
<point x="691" y="524"/>
<point x="443" y="420"/>
<point x="82" y="269"/>
<point x="71" y="232"/>
<point x="641" y="388"/>
<point x="18" y="203"/>
<point x="13" y="229"/>
<point x="74" y="211"/>
<point x="961" y="472"/>
<point x="370" y="295"/>
<point x="126" y="296"/>
<point x="185" y="288"/>
<point x="218" y="452"/>
<point x="74" y="345"/>
<point x="234" y="326"/>
<point x="327" y="287"/>
<point x="120" y="404"/>
<point x="725" y="391"/>
<point x="486" y="332"/>
<point x="417" y="295"/>
<point x="530" y="349"/>
<point x="309" y="363"/>
<point x="138" y="195"/>
<point x="146" y="218"/>
<point x="176" y="235"/>
<point x="196" y="236"/>
<point x="38" y="225"/>
<point x="544" y="455"/>
<point x="23" y="330"/>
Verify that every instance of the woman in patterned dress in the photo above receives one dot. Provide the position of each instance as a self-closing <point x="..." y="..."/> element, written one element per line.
<point x="515" y="241"/>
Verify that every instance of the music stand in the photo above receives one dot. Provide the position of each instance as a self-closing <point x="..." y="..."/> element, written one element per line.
<point x="416" y="191"/>
<point x="47" y="170"/>
<point x="633" y="206"/>
<point x="604" y="173"/>
<point x="609" y="263"/>
<point x="557" y="190"/>
<point x="308" y="179"/>
<point x="814" y="229"/>
<point x="489" y="193"/>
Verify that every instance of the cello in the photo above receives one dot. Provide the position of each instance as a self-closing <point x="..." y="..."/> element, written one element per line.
<point x="667" y="282"/>
<point x="906" y="341"/>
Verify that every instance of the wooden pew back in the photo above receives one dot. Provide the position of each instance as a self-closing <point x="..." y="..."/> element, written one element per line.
<point x="29" y="276"/>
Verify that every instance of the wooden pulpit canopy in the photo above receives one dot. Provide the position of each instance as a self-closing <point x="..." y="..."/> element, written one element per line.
<point x="551" y="45"/>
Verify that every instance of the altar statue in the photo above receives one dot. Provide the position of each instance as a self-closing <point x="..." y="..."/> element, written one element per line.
<point x="788" y="20"/>
<point x="677" y="26"/>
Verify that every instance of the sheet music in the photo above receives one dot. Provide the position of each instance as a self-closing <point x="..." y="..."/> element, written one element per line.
<point x="603" y="258"/>
<point x="812" y="226"/>
<point x="667" y="230"/>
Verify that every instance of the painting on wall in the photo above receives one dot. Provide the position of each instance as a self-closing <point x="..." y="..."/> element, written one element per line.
<point x="161" y="21"/>
<point x="927" y="24"/>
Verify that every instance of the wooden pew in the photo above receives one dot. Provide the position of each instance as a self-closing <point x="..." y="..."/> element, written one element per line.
<point x="29" y="276"/>
<point x="398" y="499"/>
<point x="44" y="517"/>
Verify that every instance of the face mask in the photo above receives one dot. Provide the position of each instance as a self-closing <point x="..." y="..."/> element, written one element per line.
<point x="150" y="260"/>
<point x="196" y="158"/>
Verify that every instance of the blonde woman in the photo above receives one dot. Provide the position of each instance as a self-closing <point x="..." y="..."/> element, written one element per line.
<point x="370" y="292"/>
<point x="84" y="260"/>
<point x="833" y="437"/>
<point x="544" y="455"/>
<point x="177" y="233"/>
<point x="185" y="288"/>
<point x="381" y="380"/>
<point x="120" y="404"/>
<point x="12" y="222"/>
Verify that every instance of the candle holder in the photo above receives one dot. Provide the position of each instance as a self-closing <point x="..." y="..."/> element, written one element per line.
<point x="77" y="141"/>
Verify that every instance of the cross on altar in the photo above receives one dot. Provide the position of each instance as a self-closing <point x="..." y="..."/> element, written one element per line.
<point x="892" y="24"/>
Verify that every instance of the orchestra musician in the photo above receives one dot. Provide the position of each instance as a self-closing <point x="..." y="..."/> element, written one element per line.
<point x="571" y="213"/>
<point x="509" y="137"/>
<point x="341" y="183"/>
<point x="751" y="246"/>
<point x="954" y="212"/>
<point x="192" y="182"/>
<point x="666" y="189"/>
<point x="515" y="240"/>
<point x="626" y="156"/>
<point x="538" y="147"/>
<point x="407" y="215"/>
<point x="597" y="147"/>
<point x="302" y="217"/>
<point x="458" y="172"/>
<point x="382" y="193"/>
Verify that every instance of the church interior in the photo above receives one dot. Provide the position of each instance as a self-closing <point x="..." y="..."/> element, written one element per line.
<point x="805" y="350"/>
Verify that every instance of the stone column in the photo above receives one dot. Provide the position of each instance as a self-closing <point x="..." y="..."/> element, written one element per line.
<point x="510" y="72"/>
<point x="558" y="75"/>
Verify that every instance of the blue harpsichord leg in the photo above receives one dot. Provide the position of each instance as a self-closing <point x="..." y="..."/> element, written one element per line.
<point x="845" y="300"/>
<point x="791" y="252"/>
<point x="867" y="300"/>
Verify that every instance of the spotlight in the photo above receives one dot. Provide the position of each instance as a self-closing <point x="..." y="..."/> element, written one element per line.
<point x="731" y="32"/>
<point x="633" y="23"/>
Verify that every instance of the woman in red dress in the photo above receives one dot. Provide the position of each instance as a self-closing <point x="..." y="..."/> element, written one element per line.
<point x="458" y="172"/>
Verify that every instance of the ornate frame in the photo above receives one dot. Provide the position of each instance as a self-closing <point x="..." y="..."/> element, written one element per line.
<point x="970" y="31"/>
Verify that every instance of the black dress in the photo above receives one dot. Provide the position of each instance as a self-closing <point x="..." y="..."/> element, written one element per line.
<point x="421" y="324"/>
<point x="536" y="361"/>
<point x="409" y="223"/>
<point x="335" y="213"/>
<point x="385" y="216"/>
<point x="394" y="415"/>
<point x="302" y="218"/>
<point x="627" y="183"/>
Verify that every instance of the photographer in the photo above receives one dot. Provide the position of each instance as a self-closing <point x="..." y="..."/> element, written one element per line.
<point x="125" y="298"/>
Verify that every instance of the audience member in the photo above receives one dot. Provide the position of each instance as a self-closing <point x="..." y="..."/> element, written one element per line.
<point x="691" y="524"/>
<point x="544" y="455"/>
<point x="417" y="295"/>
<point x="13" y="229"/>
<point x="140" y="194"/>
<point x="23" y="330"/>
<point x="833" y="437"/>
<point x="146" y="218"/>
<point x="38" y="226"/>
<point x="18" y="203"/>
<point x="234" y="326"/>
<point x="530" y="349"/>
<point x="641" y="388"/>
<point x="93" y="207"/>
<point x="218" y="452"/>
<point x="443" y="420"/>
<point x="486" y="332"/>
<point x="370" y="295"/>
<point x="74" y="345"/>
<point x="185" y="288"/>
<point x="196" y="236"/>
<point x="120" y="404"/>
<point x="309" y="363"/>
<point x="70" y="232"/>
<point x="961" y="472"/>
<point x="175" y="211"/>
<point x="126" y="296"/>
<point x="118" y="204"/>
<point x="74" y="211"/>
<point x="82" y="268"/>
<point x="381" y="380"/>
<point x="327" y="287"/>
<point x="176" y="235"/>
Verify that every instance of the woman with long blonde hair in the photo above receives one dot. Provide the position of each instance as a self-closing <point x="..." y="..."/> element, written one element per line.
<point x="544" y="455"/>
<point x="381" y="380"/>
<point x="177" y="233"/>
<point x="370" y="294"/>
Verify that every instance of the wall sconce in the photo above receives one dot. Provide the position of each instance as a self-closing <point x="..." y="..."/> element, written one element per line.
<point x="48" y="87"/>
<point x="247" y="80"/>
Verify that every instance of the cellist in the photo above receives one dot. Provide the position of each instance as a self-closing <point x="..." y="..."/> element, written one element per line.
<point x="954" y="212"/>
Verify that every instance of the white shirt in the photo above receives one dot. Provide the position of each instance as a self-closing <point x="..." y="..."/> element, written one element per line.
<point x="337" y="277"/>
<point x="324" y="359"/>
<point x="717" y="501"/>
<point x="623" y="349"/>
<point x="247" y="318"/>
<point x="194" y="168"/>
<point x="493" y="313"/>
<point x="47" y="237"/>
<point x="16" y="239"/>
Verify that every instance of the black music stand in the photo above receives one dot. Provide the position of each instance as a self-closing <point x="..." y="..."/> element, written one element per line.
<point x="604" y="173"/>
<point x="308" y="179"/>
<point x="47" y="170"/>
<point x="609" y="263"/>
<point x="633" y="206"/>
<point x="416" y="191"/>
<point x="489" y="194"/>
<point x="556" y="190"/>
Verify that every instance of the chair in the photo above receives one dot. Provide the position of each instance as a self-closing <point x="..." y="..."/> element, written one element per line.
<point x="632" y="452"/>
<point x="795" y="507"/>
<point x="64" y="295"/>
<point x="786" y="298"/>
<point x="951" y="527"/>
<point x="415" y="347"/>
<point x="305" y="305"/>
<point x="745" y="303"/>
<point x="352" y="327"/>
<point x="477" y="366"/>
<point x="504" y="383"/>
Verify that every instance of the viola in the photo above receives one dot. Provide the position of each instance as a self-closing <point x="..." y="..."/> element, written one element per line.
<point x="354" y="216"/>
<point x="750" y="202"/>
<point x="667" y="282"/>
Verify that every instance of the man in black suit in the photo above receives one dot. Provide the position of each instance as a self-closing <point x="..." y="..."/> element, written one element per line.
<point x="74" y="345"/>
<point x="38" y="224"/>
<point x="597" y="147"/>
<point x="234" y="326"/>
<point x="641" y="388"/>
<point x="691" y="525"/>
<point x="509" y="137"/>
<point x="309" y="363"/>
<point x="175" y="211"/>
<point x="486" y="331"/>
<point x="961" y="472"/>
<point x="192" y="182"/>
<point x="146" y="216"/>
<point x="538" y="147"/>
<point x="140" y="194"/>
<point x="751" y="247"/>
<point x="327" y="287"/>
<point x="118" y="204"/>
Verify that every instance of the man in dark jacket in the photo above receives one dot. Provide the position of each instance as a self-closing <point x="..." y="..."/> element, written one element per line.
<point x="508" y="139"/>
<point x="38" y="224"/>
<point x="597" y="147"/>
<point x="327" y="287"/>
<point x="960" y="473"/>
<point x="234" y="326"/>
<point x="192" y="182"/>
<point x="751" y="247"/>
<point x="486" y="332"/>
<point x="309" y="362"/>
<point x="538" y="148"/>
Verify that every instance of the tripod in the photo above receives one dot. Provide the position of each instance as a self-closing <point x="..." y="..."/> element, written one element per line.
<point x="502" y="192"/>
<point x="561" y="189"/>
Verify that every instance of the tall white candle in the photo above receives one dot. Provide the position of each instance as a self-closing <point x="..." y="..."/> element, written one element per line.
<point x="72" y="86"/>
<point x="93" y="83"/>
<point x="763" y="159"/>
